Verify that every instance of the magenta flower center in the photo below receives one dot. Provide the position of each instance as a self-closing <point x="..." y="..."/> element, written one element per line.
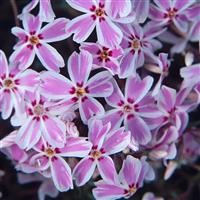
<point x="95" y="154"/>
<point x="38" y="110"/>
<point x="8" y="83"/>
<point x="172" y="12"/>
<point x="98" y="12"/>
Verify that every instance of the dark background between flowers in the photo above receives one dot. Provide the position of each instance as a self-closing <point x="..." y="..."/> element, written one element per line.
<point x="185" y="182"/>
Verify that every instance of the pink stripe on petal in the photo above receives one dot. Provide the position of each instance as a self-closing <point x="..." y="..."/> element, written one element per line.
<point x="25" y="133"/>
<point x="99" y="85"/>
<point x="97" y="132"/>
<point x="116" y="141"/>
<point x="108" y="33"/>
<point x="108" y="191"/>
<point x="6" y="105"/>
<point x="49" y="57"/>
<point x="31" y="23"/>
<point x="82" y="26"/>
<point x="91" y="47"/>
<point x="53" y="130"/>
<point x="79" y="66"/>
<point x="138" y="128"/>
<point x="116" y="98"/>
<point x="183" y="4"/>
<point x="23" y="56"/>
<point x="112" y="66"/>
<point x="81" y="5"/>
<point x="107" y="169"/>
<point x="141" y="6"/>
<point x="130" y="170"/>
<point x="75" y="147"/>
<point x="55" y="31"/>
<point x="46" y="13"/>
<point x="167" y="98"/>
<point x="115" y="117"/>
<point x="128" y="65"/>
<point x="89" y="107"/>
<point x="29" y="79"/>
<point x="49" y="85"/>
<point x="164" y="5"/>
<point x="84" y="171"/>
<point x="156" y="14"/>
<point x="3" y="64"/>
<point x="136" y="88"/>
<point x="17" y="154"/>
<point x="61" y="174"/>
<point x="118" y="8"/>
<point x="40" y="161"/>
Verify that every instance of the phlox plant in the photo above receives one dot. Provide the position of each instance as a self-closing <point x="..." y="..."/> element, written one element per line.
<point x="117" y="114"/>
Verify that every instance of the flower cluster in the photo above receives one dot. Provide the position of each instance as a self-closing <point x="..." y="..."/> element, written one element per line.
<point x="114" y="87"/>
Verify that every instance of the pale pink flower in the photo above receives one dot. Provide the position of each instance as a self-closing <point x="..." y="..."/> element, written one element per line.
<point x="13" y="84"/>
<point x="95" y="15"/>
<point x="162" y="145"/>
<point x="130" y="179"/>
<point x="105" y="143"/>
<point x="138" y="43"/>
<point x="47" y="187"/>
<point x="79" y="90"/>
<point x="40" y="121"/>
<point x="104" y="57"/>
<point x="46" y="13"/>
<point x="171" y="12"/>
<point x="48" y="157"/>
<point x="132" y="108"/>
<point x="33" y="40"/>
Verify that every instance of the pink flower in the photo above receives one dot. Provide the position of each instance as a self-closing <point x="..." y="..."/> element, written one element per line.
<point x="46" y="13"/>
<point x="138" y="43"/>
<point x="108" y="33"/>
<point x="40" y="121"/>
<point x="162" y="145"/>
<point x="51" y="157"/>
<point x="80" y="90"/>
<point x="34" y="40"/>
<point x="130" y="178"/>
<point x="105" y="143"/>
<point x="167" y="12"/>
<point x="107" y="58"/>
<point x="13" y="84"/>
<point x="132" y="108"/>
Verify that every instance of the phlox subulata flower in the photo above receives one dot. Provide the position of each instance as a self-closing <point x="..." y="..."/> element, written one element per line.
<point x="132" y="107"/>
<point x="138" y="43"/>
<point x="13" y="85"/>
<point x="40" y="121"/>
<point x="130" y="178"/>
<point x="108" y="33"/>
<point x="47" y="156"/>
<point x="104" y="57"/>
<point x="46" y="13"/>
<point x="33" y="40"/>
<point x="171" y="12"/>
<point x="105" y="143"/>
<point x="80" y="89"/>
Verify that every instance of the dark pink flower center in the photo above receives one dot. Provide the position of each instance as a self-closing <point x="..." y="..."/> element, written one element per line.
<point x="34" y="39"/>
<point x="172" y="12"/>
<point x="104" y="54"/>
<point x="99" y="12"/>
<point x="50" y="152"/>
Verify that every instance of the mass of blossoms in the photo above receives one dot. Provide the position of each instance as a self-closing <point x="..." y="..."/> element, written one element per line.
<point x="110" y="115"/>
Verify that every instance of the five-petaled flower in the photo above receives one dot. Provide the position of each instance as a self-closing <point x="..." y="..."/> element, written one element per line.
<point x="34" y="40"/>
